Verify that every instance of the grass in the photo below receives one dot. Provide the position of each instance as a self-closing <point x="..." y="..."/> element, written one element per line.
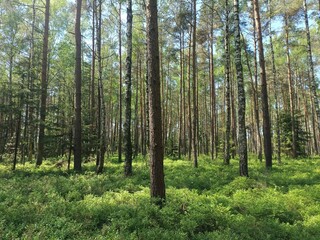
<point x="210" y="202"/>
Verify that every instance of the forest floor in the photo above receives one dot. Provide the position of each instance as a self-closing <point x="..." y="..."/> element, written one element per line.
<point x="210" y="202"/>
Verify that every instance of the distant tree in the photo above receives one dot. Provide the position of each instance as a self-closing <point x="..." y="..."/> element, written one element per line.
<point x="157" y="187"/>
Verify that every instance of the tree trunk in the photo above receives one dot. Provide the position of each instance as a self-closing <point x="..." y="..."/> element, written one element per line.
<point x="275" y="86"/>
<point x="101" y="105"/>
<point x="227" y="86"/>
<point x="194" y="87"/>
<point x="255" y="94"/>
<point x="157" y="185"/>
<point x="264" y="90"/>
<point x="44" y="83"/>
<point x="120" y="89"/>
<point x="243" y="155"/>
<point x="77" y="80"/>
<point x="127" y="126"/>
<point x="312" y="81"/>
<point x="93" y="69"/>
<point x="291" y="91"/>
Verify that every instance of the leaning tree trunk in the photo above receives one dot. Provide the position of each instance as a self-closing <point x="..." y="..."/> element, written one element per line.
<point x="243" y="155"/>
<point x="157" y="185"/>
<point x="77" y="80"/>
<point x="264" y="90"/>
<point x="127" y="126"/>
<point x="44" y="84"/>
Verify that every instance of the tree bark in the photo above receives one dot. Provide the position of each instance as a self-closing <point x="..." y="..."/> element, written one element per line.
<point x="157" y="185"/>
<point x="120" y="88"/>
<point x="264" y="90"/>
<point x="77" y="80"/>
<point x="227" y="86"/>
<point x="194" y="87"/>
<point x="312" y="81"/>
<point x="275" y="86"/>
<point x="44" y="83"/>
<point x="127" y="126"/>
<point x="243" y="155"/>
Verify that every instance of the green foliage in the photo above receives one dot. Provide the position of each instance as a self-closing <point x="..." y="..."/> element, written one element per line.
<point x="210" y="202"/>
<point x="302" y="137"/>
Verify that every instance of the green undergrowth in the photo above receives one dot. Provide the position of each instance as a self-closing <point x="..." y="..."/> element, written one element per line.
<point x="210" y="202"/>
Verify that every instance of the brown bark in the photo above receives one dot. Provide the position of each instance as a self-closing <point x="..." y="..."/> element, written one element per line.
<point x="312" y="83"/>
<point x="77" y="80"/>
<point x="194" y="87"/>
<point x="120" y="88"/>
<point x="264" y="90"/>
<point x="157" y="185"/>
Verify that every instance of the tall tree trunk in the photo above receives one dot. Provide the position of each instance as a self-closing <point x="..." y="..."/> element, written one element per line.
<point x="264" y="90"/>
<point x="194" y="87"/>
<point x="213" y="96"/>
<point x="93" y="69"/>
<point x="255" y="93"/>
<point x="227" y="86"/>
<point x="291" y="91"/>
<point x="243" y="155"/>
<point x="127" y="126"/>
<point x="101" y="105"/>
<point x="120" y="88"/>
<point x="157" y="185"/>
<point x="28" y="126"/>
<point x="180" y="96"/>
<point x="44" y="83"/>
<point x="189" y="99"/>
<point x="312" y="81"/>
<point x="275" y="86"/>
<point x="77" y="80"/>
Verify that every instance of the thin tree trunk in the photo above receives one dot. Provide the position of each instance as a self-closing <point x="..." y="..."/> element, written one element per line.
<point x="264" y="90"/>
<point x="275" y="87"/>
<point x="194" y="87"/>
<point x="227" y="85"/>
<point x="120" y="89"/>
<point x="93" y="69"/>
<point x="157" y="187"/>
<point x="189" y="99"/>
<point x="127" y="126"/>
<point x="312" y="81"/>
<point x="101" y="105"/>
<point x="77" y="79"/>
<point x="255" y="93"/>
<point x="243" y="155"/>
<point x="44" y="83"/>
<point x="291" y="91"/>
